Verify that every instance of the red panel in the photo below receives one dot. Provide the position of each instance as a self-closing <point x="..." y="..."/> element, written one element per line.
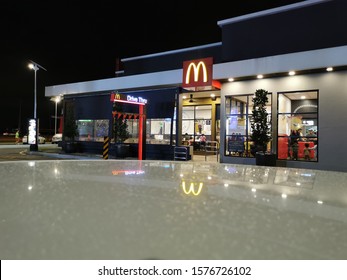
<point x="282" y="147"/>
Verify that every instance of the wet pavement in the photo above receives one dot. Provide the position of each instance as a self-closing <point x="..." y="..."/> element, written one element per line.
<point x="131" y="209"/>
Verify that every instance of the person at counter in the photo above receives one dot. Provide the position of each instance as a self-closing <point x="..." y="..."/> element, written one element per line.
<point x="185" y="139"/>
<point x="307" y="151"/>
<point x="202" y="140"/>
<point x="314" y="148"/>
<point x="295" y="149"/>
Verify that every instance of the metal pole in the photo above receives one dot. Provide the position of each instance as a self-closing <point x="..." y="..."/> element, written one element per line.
<point x="35" y="69"/>
<point x="55" y="119"/>
<point x="35" y="66"/>
<point x="34" y="147"/>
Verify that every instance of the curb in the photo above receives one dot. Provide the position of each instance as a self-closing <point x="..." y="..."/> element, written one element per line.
<point x="66" y="156"/>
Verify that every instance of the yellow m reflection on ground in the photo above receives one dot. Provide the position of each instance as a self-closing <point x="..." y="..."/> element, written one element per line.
<point x="191" y="189"/>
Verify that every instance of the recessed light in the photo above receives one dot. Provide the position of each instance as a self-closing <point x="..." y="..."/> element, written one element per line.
<point x="231" y="79"/>
<point x="260" y="76"/>
<point x="291" y="73"/>
<point x="329" y="69"/>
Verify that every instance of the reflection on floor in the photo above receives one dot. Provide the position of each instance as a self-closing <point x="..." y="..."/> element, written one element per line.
<point x="163" y="210"/>
<point x="209" y="158"/>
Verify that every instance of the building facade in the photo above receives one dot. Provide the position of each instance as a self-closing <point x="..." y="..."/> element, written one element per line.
<point x="298" y="53"/>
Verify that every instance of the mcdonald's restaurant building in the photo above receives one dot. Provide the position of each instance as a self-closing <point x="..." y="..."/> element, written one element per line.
<point x="298" y="53"/>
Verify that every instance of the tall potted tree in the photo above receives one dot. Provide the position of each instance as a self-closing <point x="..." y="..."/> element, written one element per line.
<point x="120" y="131"/>
<point x="260" y="134"/>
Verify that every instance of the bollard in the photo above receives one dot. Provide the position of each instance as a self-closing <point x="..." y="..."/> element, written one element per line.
<point x="105" y="147"/>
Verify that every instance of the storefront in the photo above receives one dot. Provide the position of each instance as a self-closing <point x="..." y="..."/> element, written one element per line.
<point x="305" y="95"/>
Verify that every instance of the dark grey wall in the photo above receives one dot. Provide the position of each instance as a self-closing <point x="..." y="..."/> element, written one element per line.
<point x="93" y="107"/>
<point x="313" y="27"/>
<point x="170" y="61"/>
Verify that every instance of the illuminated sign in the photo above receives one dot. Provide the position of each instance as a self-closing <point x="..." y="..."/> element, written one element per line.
<point x="32" y="132"/>
<point x="191" y="189"/>
<point x="118" y="97"/>
<point x="197" y="73"/>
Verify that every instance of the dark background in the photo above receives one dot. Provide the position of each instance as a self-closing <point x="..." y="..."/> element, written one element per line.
<point x="81" y="41"/>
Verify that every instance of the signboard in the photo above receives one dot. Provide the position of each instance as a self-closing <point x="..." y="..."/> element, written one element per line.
<point x="127" y="98"/>
<point x="32" y="131"/>
<point x="197" y="73"/>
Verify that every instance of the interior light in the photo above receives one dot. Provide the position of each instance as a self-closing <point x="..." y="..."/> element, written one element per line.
<point x="260" y="76"/>
<point x="329" y="69"/>
<point x="184" y="97"/>
<point x="291" y="73"/>
<point x="303" y="97"/>
<point x="231" y="79"/>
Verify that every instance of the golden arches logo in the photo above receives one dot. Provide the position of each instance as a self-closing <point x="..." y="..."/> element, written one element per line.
<point x="196" y="69"/>
<point x="117" y="96"/>
<point x="191" y="189"/>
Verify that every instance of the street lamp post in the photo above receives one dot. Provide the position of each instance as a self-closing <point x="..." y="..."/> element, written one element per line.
<point x="35" y="66"/>
<point x="57" y="100"/>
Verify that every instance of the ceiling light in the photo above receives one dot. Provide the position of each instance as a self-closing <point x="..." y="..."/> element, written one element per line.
<point x="260" y="76"/>
<point x="329" y="69"/>
<point x="291" y="73"/>
<point x="231" y="79"/>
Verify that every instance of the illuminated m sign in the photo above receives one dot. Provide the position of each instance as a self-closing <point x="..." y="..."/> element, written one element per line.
<point x="197" y="73"/>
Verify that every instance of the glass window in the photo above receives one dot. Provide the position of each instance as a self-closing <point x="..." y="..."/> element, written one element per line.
<point x="238" y="127"/>
<point x="298" y="126"/>
<point x="196" y="121"/>
<point x="92" y="130"/>
<point x="158" y="131"/>
<point x="203" y="112"/>
<point x="133" y="130"/>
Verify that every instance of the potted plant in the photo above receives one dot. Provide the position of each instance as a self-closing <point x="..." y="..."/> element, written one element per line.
<point x="120" y="131"/>
<point x="260" y="134"/>
<point x="70" y="130"/>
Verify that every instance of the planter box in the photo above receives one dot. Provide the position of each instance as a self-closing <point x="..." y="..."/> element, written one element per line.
<point x="265" y="159"/>
<point x="121" y="150"/>
<point x="70" y="147"/>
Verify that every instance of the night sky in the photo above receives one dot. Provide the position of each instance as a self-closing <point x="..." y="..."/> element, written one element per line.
<point x="80" y="41"/>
